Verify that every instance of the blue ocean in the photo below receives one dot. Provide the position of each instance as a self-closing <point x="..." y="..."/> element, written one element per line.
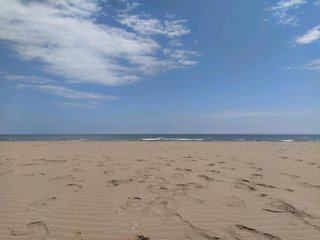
<point x="162" y="137"/>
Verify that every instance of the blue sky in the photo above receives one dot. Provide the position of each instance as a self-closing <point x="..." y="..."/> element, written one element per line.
<point x="182" y="66"/>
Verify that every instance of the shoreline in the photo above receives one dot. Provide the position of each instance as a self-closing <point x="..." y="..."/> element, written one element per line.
<point x="159" y="141"/>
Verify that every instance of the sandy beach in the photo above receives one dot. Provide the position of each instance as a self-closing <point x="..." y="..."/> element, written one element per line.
<point x="159" y="190"/>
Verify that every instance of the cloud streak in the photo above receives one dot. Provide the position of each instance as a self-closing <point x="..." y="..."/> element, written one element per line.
<point x="309" y="37"/>
<point x="68" y="39"/>
<point x="313" y="65"/>
<point x="65" y="92"/>
<point x="283" y="11"/>
<point x="152" y="26"/>
<point x="52" y="87"/>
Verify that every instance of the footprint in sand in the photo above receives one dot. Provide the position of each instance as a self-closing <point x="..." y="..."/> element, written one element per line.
<point x="55" y="161"/>
<point x="183" y="169"/>
<point x="177" y="175"/>
<point x="29" y="164"/>
<point x="256" y="168"/>
<point x="235" y="202"/>
<point x="140" y="160"/>
<point x="310" y="185"/>
<point x="35" y="230"/>
<point x="312" y="163"/>
<point x="257" y="175"/>
<point x="191" y="231"/>
<point x="141" y="237"/>
<point x="41" y="203"/>
<point x="132" y="203"/>
<point x="74" y="187"/>
<point x="157" y="189"/>
<point x="206" y="178"/>
<point x="245" y="185"/>
<point x="297" y="160"/>
<point x="289" y="190"/>
<point x="117" y="182"/>
<point x="250" y="163"/>
<point x="77" y="236"/>
<point x="228" y="168"/>
<point x="213" y="170"/>
<point x="243" y="232"/>
<point x="57" y="179"/>
<point x="190" y="186"/>
<point x="107" y="172"/>
<point x="280" y="206"/>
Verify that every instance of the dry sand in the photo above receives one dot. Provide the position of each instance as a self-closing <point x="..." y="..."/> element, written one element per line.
<point x="159" y="190"/>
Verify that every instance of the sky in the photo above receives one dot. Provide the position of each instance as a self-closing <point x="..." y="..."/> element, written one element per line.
<point x="169" y="66"/>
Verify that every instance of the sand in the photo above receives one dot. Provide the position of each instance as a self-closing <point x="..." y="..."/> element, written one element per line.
<point x="159" y="190"/>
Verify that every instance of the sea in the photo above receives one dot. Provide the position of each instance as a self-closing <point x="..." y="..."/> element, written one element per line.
<point x="163" y="137"/>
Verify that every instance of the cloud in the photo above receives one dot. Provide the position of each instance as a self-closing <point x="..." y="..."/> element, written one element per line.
<point x="152" y="26"/>
<point x="317" y="2"/>
<point x="79" y="105"/>
<point x="65" y="92"/>
<point x="309" y="37"/>
<point x="180" y="57"/>
<point x="313" y="65"/>
<point x="69" y="40"/>
<point x="52" y="87"/>
<point x="283" y="11"/>
<point x="29" y="79"/>
<point x="128" y="5"/>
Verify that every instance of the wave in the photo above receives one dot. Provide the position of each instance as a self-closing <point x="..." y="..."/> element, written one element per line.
<point x="171" y="139"/>
<point x="287" y="140"/>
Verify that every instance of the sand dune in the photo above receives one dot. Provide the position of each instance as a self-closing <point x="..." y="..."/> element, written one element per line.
<point x="159" y="190"/>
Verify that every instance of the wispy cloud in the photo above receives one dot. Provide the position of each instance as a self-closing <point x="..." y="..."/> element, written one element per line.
<point x="52" y="87"/>
<point x="150" y="26"/>
<point x="311" y="36"/>
<point x="284" y="11"/>
<point x="65" y="92"/>
<point x="79" y="105"/>
<point x="67" y="37"/>
<point x="313" y="65"/>
<point x="128" y="5"/>
<point x="317" y="2"/>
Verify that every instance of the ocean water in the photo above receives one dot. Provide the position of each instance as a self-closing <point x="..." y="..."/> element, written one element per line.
<point x="162" y="137"/>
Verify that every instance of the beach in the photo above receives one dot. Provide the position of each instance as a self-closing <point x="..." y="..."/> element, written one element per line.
<point x="112" y="190"/>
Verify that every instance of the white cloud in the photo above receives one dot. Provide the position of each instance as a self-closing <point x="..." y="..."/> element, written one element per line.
<point x="309" y="37"/>
<point x="128" y="5"/>
<point x="52" y="87"/>
<point x="180" y="57"/>
<point x="79" y="105"/>
<point x="66" y="37"/>
<point x="317" y="2"/>
<point x="29" y="79"/>
<point x="313" y="65"/>
<point x="65" y="92"/>
<point x="150" y="26"/>
<point x="283" y="11"/>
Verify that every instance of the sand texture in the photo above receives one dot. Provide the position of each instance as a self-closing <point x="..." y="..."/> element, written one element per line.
<point x="159" y="190"/>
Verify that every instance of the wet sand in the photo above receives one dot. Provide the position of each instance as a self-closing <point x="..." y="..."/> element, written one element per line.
<point x="159" y="190"/>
